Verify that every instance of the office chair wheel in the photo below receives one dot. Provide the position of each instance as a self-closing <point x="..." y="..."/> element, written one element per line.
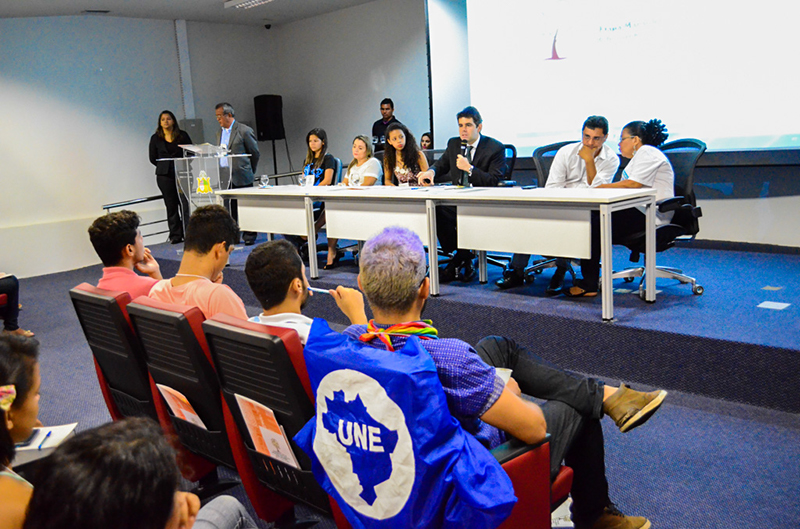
<point x="628" y="279"/>
<point x="697" y="290"/>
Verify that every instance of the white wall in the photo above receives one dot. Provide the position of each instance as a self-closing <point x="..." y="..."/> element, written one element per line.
<point x="81" y="98"/>
<point x="334" y="70"/>
<point x="449" y="67"/>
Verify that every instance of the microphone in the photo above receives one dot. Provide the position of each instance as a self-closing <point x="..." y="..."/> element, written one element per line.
<point x="464" y="174"/>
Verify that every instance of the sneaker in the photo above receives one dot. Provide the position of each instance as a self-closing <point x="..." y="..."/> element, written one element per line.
<point x="629" y="408"/>
<point x="612" y="518"/>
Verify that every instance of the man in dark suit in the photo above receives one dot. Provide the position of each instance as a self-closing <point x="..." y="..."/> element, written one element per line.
<point x="240" y="139"/>
<point x="473" y="158"/>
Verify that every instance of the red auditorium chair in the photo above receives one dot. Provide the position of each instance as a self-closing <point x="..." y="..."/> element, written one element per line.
<point x="177" y="356"/>
<point x="122" y="372"/>
<point x="266" y="364"/>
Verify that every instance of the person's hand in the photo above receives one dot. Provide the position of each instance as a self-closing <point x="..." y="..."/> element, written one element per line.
<point x="149" y="265"/>
<point x="425" y="178"/>
<point x="462" y="163"/>
<point x="184" y="511"/>
<point x="513" y="387"/>
<point x="586" y="153"/>
<point x="351" y="302"/>
<point x="218" y="279"/>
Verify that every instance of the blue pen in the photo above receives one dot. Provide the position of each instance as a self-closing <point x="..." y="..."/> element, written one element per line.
<point x="320" y="290"/>
<point x="45" y="439"/>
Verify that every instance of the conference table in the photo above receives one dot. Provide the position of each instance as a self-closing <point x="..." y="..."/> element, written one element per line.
<point x="536" y="221"/>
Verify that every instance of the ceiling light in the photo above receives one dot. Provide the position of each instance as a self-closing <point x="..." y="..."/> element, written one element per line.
<point x="245" y="4"/>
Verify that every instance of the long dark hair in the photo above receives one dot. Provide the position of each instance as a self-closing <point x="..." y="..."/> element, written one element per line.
<point x="319" y="133"/>
<point x="651" y="133"/>
<point x="18" y="358"/>
<point x="410" y="152"/>
<point x="176" y="129"/>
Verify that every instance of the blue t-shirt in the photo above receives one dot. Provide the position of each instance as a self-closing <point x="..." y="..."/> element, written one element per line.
<point x="470" y="385"/>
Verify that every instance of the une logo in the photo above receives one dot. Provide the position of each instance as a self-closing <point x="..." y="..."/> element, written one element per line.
<point x="365" y="437"/>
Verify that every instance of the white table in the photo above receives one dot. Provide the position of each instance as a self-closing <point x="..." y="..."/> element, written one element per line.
<point x="534" y="221"/>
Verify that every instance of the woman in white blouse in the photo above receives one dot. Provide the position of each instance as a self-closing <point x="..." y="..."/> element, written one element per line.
<point x="364" y="170"/>
<point x="649" y="167"/>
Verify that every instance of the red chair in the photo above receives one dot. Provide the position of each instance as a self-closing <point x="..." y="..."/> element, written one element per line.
<point x="177" y="356"/>
<point x="121" y="369"/>
<point x="266" y="364"/>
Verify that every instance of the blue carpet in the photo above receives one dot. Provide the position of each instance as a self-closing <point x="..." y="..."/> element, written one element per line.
<point x="699" y="463"/>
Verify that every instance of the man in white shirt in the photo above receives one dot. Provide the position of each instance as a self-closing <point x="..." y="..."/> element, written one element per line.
<point x="277" y="277"/>
<point x="588" y="163"/>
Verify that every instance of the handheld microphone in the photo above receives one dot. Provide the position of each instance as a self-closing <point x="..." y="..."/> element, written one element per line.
<point x="464" y="174"/>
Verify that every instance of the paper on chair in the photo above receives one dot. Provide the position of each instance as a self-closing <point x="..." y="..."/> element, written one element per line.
<point x="180" y="406"/>
<point x="268" y="436"/>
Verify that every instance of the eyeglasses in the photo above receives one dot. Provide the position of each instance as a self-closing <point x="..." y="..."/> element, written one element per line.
<point x="625" y="138"/>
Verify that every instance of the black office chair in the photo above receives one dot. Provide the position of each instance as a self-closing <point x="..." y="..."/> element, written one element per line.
<point x="683" y="156"/>
<point x="543" y="160"/>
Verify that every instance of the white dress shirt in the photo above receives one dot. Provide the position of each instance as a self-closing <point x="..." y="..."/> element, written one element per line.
<point x="569" y="169"/>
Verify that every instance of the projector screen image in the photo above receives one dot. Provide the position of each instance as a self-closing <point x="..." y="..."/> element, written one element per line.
<point x="723" y="72"/>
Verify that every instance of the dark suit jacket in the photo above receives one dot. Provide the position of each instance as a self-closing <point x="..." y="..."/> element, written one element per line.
<point x="488" y="162"/>
<point x="242" y="141"/>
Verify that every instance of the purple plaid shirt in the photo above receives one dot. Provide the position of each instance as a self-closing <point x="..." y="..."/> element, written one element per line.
<point x="470" y="385"/>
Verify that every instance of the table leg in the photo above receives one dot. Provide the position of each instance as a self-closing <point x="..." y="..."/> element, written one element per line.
<point x="483" y="273"/>
<point x="312" y="239"/>
<point x="433" y="258"/>
<point x="650" y="253"/>
<point x="606" y="284"/>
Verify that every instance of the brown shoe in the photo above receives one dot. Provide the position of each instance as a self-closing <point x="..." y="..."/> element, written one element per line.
<point x="629" y="408"/>
<point x="613" y="519"/>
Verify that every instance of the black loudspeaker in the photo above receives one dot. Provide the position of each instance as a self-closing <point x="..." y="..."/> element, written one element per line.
<point x="269" y="117"/>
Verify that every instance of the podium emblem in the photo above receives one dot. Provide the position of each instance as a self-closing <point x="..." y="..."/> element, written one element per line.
<point x="203" y="184"/>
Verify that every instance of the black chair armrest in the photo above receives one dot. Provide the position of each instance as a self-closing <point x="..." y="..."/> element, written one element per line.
<point x="515" y="448"/>
<point x="670" y="204"/>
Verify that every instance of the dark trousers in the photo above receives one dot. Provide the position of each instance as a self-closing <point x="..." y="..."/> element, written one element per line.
<point x="448" y="236"/>
<point x="176" y="204"/>
<point x="9" y="285"/>
<point x="248" y="236"/>
<point x="624" y="223"/>
<point x="573" y="409"/>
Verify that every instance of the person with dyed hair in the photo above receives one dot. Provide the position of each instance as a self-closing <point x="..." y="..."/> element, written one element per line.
<point x="394" y="280"/>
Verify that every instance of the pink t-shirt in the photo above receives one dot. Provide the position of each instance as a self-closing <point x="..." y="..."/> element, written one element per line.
<point x="210" y="298"/>
<point x="120" y="279"/>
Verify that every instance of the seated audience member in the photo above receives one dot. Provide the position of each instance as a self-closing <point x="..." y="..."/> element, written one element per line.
<point x="364" y="170"/>
<point x="210" y="236"/>
<point x="588" y="163"/>
<point x="9" y="285"/>
<point x="122" y="475"/>
<point x="393" y="279"/>
<point x="118" y="242"/>
<point x="402" y="159"/>
<point x="649" y="167"/>
<point x="19" y="408"/>
<point x="479" y="159"/>
<point x="277" y="277"/>
<point x="426" y="141"/>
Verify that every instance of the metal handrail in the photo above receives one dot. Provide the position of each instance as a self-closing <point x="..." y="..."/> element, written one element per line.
<point x="131" y="202"/>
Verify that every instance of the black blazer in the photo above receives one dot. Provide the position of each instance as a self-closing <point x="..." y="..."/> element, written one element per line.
<point x="161" y="148"/>
<point x="488" y="162"/>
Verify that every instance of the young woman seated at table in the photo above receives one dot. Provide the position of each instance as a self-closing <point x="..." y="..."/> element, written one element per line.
<point x="402" y="159"/>
<point x="364" y="170"/>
